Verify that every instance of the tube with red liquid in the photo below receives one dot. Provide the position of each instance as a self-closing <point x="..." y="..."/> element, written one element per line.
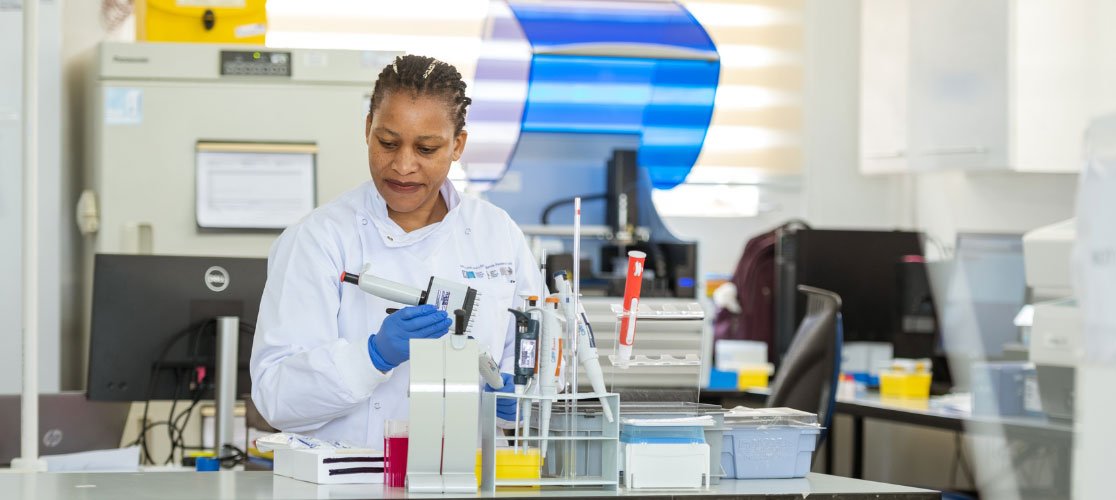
<point x="632" y="284"/>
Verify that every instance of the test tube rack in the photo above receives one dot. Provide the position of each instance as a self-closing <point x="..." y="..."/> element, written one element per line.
<point x="606" y="442"/>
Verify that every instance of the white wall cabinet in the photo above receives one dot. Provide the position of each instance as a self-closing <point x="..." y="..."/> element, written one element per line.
<point x="977" y="85"/>
<point x="884" y="77"/>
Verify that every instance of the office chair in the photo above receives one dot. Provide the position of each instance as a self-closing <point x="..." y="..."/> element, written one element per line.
<point x="807" y="378"/>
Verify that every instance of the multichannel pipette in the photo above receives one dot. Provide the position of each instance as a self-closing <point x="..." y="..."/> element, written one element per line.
<point x="455" y="298"/>
<point x="444" y="294"/>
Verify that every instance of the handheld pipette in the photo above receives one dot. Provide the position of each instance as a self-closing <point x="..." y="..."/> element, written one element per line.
<point x="632" y="284"/>
<point x="443" y="294"/>
<point x="587" y="355"/>
<point x="526" y="359"/>
<point x="550" y="362"/>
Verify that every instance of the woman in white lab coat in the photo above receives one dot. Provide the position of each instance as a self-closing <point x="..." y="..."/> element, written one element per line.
<point x="327" y="359"/>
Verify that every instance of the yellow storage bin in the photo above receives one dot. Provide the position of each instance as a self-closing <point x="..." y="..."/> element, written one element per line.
<point x="207" y="21"/>
<point x="749" y="377"/>
<point x="895" y="384"/>
<point x="511" y="465"/>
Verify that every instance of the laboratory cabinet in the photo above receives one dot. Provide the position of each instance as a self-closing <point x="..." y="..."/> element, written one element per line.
<point x="978" y="85"/>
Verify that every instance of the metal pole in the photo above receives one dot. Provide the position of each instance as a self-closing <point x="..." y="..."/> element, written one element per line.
<point x="228" y="336"/>
<point x="29" y="443"/>
<point x="571" y="447"/>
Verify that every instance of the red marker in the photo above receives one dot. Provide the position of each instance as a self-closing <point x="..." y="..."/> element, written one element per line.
<point x="632" y="284"/>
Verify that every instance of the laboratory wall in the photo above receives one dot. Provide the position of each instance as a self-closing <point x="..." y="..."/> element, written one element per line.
<point x="50" y="206"/>
<point x="1010" y="202"/>
<point x="832" y="191"/>
<point x="83" y="28"/>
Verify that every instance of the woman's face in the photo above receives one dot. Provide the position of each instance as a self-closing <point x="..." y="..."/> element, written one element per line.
<point x="411" y="143"/>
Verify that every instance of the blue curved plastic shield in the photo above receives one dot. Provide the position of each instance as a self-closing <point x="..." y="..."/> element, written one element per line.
<point x="595" y="67"/>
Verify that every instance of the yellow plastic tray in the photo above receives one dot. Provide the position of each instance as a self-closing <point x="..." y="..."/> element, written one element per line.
<point x="749" y="378"/>
<point x="905" y="385"/>
<point x="512" y="465"/>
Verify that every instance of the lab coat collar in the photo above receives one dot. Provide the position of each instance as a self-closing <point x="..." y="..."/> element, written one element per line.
<point x="394" y="236"/>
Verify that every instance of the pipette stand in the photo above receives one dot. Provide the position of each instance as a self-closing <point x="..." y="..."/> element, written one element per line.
<point x="441" y="452"/>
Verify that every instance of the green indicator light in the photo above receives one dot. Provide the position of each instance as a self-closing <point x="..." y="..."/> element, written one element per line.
<point x="255" y="55"/>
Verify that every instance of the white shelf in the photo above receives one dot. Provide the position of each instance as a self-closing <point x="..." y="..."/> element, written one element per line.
<point x="663" y="360"/>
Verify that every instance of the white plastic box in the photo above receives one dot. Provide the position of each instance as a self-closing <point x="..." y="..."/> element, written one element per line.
<point x="331" y="466"/>
<point x="663" y="466"/>
<point x="768" y="443"/>
<point x="666" y="453"/>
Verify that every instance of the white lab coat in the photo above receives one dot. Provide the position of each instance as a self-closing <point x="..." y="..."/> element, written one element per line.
<point x="311" y="372"/>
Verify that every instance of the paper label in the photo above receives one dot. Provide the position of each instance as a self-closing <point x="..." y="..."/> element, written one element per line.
<point x="123" y="106"/>
<point x="247" y="30"/>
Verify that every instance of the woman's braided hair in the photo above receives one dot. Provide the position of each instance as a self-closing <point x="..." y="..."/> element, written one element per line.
<point x="424" y="76"/>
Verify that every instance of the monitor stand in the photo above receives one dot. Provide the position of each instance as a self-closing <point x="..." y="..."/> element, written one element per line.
<point x="228" y="337"/>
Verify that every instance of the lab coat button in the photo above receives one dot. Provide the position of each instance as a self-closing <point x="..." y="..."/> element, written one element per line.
<point x="364" y="222"/>
<point x="376" y="405"/>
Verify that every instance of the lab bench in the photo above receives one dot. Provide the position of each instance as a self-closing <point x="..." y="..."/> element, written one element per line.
<point x="265" y="485"/>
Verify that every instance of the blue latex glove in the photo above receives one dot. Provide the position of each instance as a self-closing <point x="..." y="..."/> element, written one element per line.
<point x="391" y="346"/>
<point x="505" y="407"/>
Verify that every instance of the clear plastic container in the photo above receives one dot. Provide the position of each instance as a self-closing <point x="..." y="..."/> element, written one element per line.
<point x="395" y="452"/>
<point x="768" y="443"/>
<point x="631" y="434"/>
<point x="757" y="417"/>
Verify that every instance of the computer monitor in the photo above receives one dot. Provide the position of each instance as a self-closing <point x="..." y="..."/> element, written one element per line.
<point x="153" y="331"/>
<point x="860" y="266"/>
<point x="68" y="423"/>
<point x="978" y="294"/>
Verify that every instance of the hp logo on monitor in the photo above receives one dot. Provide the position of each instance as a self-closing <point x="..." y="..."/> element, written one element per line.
<point x="217" y="278"/>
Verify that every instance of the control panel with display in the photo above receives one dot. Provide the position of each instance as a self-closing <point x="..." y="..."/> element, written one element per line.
<point x="255" y="63"/>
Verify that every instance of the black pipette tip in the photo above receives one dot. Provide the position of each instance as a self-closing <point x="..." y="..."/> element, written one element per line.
<point x="350" y="278"/>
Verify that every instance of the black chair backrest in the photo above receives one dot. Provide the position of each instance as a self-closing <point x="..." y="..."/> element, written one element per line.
<point x="807" y="377"/>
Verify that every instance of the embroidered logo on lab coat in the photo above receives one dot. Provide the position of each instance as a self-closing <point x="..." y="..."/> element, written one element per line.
<point x="495" y="271"/>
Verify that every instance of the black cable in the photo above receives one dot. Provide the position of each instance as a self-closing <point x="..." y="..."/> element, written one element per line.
<point x="170" y="417"/>
<point x="198" y="390"/>
<point x="238" y="456"/>
<point x="174" y="434"/>
<point x="185" y="421"/>
<point x="156" y="369"/>
<point x="545" y="218"/>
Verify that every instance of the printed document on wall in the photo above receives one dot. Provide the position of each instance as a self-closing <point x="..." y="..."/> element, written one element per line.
<point x="254" y="186"/>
